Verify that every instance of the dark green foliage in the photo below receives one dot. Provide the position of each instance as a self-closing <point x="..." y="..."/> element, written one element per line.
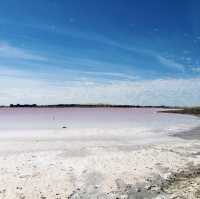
<point x="191" y="111"/>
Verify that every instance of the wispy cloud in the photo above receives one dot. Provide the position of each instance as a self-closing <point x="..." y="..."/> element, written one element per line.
<point x="104" y="75"/>
<point x="164" y="61"/>
<point x="170" y="63"/>
<point x="9" y="51"/>
<point x="99" y="38"/>
<point x="64" y="74"/>
<point x="113" y="74"/>
<point x="196" y="69"/>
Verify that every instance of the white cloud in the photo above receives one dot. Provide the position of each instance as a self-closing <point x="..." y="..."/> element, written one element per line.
<point x="9" y="51"/>
<point x="147" y="92"/>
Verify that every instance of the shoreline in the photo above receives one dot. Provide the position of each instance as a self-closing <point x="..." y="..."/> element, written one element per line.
<point x="109" y="168"/>
<point x="184" y="183"/>
<point x="185" y="111"/>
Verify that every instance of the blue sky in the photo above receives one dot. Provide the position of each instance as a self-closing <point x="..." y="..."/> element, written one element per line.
<point x="100" y="51"/>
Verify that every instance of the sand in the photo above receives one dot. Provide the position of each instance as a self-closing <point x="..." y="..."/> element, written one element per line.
<point x="93" y="163"/>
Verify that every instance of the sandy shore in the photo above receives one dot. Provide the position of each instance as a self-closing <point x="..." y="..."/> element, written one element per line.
<point x="109" y="163"/>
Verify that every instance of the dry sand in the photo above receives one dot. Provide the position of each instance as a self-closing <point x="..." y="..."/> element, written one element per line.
<point x="93" y="163"/>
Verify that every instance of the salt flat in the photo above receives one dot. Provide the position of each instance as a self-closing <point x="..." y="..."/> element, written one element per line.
<point x="102" y="162"/>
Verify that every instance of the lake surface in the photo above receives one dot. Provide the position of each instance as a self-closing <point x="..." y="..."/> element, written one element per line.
<point x="56" y="118"/>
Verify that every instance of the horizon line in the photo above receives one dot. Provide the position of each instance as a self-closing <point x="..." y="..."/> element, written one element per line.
<point x="88" y="105"/>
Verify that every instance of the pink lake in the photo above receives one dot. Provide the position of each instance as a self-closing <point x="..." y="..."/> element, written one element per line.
<point x="56" y="118"/>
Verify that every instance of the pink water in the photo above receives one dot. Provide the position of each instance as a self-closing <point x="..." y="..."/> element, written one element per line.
<point x="56" y="118"/>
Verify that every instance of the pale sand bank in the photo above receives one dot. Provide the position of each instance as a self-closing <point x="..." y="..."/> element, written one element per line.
<point x="105" y="164"/>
